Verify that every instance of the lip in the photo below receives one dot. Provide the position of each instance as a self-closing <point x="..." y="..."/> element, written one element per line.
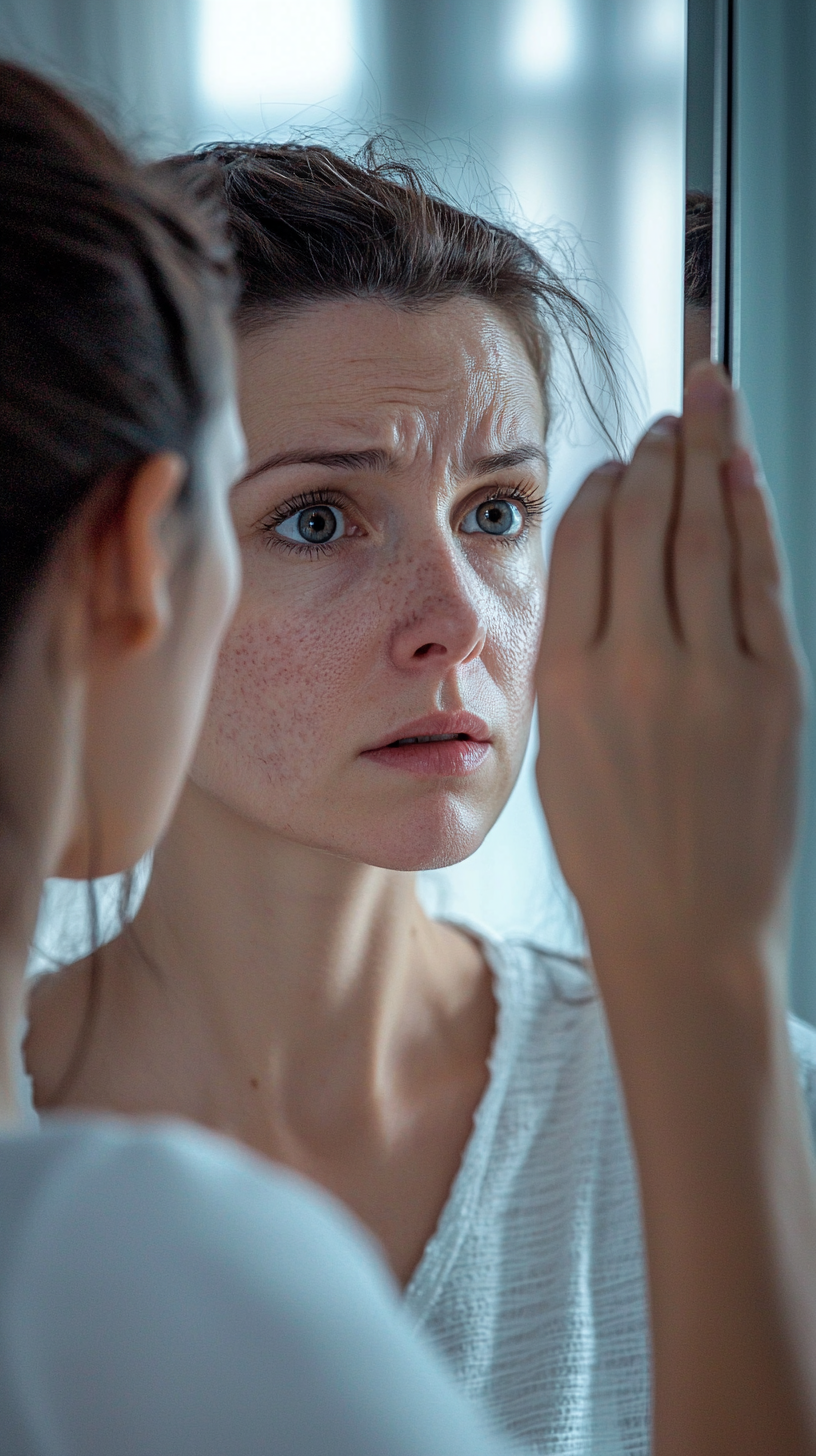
<point x="463" y="748"/>
<point x="435" y="724"/>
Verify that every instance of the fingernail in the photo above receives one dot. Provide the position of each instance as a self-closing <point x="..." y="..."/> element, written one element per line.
<point x="665" y="428"/>
<point x="708" y="386"/>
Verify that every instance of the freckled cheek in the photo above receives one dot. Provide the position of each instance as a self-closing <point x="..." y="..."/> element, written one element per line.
<point x="285" y="683"/>
<point x="514" y="634"/>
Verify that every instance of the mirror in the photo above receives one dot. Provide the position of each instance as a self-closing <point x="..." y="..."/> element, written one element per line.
<point x="566" y="116"/>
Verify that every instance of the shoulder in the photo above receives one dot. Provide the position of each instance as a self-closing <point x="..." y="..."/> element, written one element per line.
<point x="213" y="1298"/>
<point x="161" y="1184"/>
<point x="539" y="979"/>
<point x="56" y="1008"/>
<point x="552" y="1002"/>
<point x="542" y="979"/>
<point x="551" y="1028"/>
<point x="192" y="1262"/>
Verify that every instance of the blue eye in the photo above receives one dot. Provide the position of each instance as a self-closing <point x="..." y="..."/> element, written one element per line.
<point x="494" y="518"/>
<point x="315" y="526"/>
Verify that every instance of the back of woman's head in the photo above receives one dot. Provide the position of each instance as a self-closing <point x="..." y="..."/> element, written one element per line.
<point x="310" y="225"/>
<point x="111" y="346"/>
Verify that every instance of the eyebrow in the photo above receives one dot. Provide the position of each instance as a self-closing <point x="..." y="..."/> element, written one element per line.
<point x="329" y="459"/>
<point x="508" y="460"/>
<point x="381" y="460"/>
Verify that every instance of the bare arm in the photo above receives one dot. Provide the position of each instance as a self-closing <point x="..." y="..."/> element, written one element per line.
<point x="670" y="701"/>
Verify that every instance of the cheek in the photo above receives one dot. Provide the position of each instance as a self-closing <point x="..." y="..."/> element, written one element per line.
<point x="282" y="685"/>
<point x="514" y="634"/>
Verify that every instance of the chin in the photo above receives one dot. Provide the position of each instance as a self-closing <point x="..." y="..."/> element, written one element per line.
<point x="404" y="827"/>
<point x="428" y="839"/>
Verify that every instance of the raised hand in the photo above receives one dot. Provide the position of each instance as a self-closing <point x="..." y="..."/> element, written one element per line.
<point x="670" y="702"/>
<point x="670" y="697"/>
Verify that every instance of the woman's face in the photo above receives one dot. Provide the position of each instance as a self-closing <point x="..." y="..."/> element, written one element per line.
<point x="393" y="581"/>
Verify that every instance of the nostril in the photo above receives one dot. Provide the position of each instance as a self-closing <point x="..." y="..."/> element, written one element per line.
<point x="427" y="648"/>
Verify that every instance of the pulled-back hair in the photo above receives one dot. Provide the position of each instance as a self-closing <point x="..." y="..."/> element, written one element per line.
<point x="310" y="225"/>
<point x="111" y="347"/>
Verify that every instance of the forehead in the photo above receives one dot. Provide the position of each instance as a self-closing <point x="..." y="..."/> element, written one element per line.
<point x="451" y="374"/>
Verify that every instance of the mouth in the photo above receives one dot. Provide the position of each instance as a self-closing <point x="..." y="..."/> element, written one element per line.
<point x="443" y="745"/>
<point x="431" y="738"/>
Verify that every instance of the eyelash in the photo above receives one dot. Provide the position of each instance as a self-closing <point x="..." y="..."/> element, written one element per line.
<point x="535" y="508"/>
<point x="292" y="507"/>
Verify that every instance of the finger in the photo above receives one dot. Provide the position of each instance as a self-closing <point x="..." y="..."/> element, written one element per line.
<point x="577" y="592"/>
<point x="641" y="516"/>
<point x="764" y="626"/>
<point x="702" y="556"/>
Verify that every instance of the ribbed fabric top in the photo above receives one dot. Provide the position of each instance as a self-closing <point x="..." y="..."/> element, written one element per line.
<point x="533" y="1285"/>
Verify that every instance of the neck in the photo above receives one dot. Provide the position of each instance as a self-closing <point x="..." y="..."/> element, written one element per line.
<point x="40" y="746"/>
<point x="309" y="968"/>
<point x="20" y="891"/>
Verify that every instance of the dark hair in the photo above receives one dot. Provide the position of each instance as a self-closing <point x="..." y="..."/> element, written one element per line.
<point x="699" y="223"/>
<point x="310" y="225"/>
<point x="110" y="347"/>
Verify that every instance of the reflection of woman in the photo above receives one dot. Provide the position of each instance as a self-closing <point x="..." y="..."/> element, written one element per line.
<point x="160" y="1293"/>
<point x="370" y="713"/>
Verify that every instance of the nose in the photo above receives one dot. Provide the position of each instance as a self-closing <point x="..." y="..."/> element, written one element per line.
<point x="443" y="623"/>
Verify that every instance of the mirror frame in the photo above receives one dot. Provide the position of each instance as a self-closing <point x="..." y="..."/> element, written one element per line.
<point x="710" y="159"/>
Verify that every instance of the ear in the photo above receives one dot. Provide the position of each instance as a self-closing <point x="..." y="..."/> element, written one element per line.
<point x="131" y="565"/>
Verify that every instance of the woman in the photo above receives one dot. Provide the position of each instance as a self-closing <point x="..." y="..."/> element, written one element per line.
<point x="160" y="1294"/>
<point x="370" y="712"/>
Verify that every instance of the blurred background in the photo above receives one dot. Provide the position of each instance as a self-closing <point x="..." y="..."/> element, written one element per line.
<point x="564" y="115"/>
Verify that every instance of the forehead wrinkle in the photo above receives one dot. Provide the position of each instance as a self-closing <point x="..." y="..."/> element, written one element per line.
<point x="503" y="434"/>
<point x="468" y="404"/>
<point x="428" y="386"/>
<point x="485" y="441"/>
<point x="494" y="435"/>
